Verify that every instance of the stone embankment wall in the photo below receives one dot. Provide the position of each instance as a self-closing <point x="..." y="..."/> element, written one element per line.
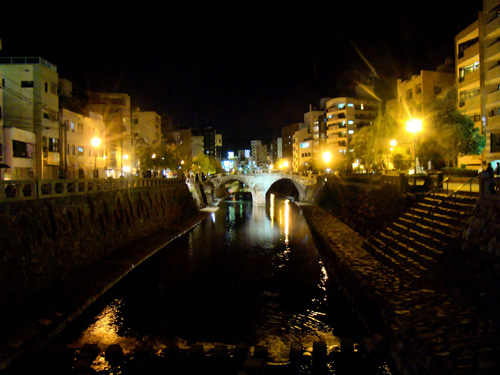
<point x="423" y="329"/>
<point x="364" y="210"/>
<point x="42" y="241"/>
<point x="473" y="269"/>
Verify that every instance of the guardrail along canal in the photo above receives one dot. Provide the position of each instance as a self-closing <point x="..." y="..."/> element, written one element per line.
<point x="246" y="274"/>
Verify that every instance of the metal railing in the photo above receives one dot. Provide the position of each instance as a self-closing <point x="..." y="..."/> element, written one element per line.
<point x="19" y="190"/>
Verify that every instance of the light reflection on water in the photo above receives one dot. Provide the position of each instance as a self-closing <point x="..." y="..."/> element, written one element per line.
<point x="246" y="274"/>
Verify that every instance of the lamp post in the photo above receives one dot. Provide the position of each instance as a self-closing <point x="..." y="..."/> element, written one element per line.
<point x="95" y="142"/>
<point x="327" y="157"/>
<point x="414" y="126"/>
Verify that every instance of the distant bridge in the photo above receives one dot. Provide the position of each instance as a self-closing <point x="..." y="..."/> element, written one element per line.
<point x="259" y="183"/>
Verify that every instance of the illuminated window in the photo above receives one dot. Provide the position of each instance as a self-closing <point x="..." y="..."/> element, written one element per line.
<point x="350" y="131"/>
<point x="462" y="72"/>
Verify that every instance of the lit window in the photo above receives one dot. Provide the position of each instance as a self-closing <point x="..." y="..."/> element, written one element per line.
<point x="350" y="105"/>
<point x="350" y="131"/>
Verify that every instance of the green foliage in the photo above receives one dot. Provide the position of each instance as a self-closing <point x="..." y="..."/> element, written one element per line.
<point x="158" y="157"/>
<point x="371" y="143"/>
<point x="459" y="172"/>
<point x="205" y="164"/>
<point x="449" y="134"/>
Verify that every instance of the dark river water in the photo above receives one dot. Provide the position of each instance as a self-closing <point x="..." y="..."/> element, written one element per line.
<point x="246" y="274"/>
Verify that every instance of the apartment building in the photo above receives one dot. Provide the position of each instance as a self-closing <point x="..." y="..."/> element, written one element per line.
<point x="116" y="112"/>
<point x="490" y="75"/>
<point x="468" y="81"/>
<point x="212" y="142"/>
<point x="287" y="133"/>
<point x="81" y="155"/>
<point x="30" y="118"/>
<point x="303" y="150"/>
<point x="345" y="116"/>
<point x="146" y="127"/>
<point x="416" y="95"/>
<point x="477" y="61"/>
<point x="258" y="154"/>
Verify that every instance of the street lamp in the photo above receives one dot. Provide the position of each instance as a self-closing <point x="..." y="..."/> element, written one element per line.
<point x="95" y="142"/>
<point x="414" y="126"/>
<point x="327" y="157"/>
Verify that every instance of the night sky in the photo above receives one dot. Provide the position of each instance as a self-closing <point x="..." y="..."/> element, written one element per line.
<point x="245" y="69"/>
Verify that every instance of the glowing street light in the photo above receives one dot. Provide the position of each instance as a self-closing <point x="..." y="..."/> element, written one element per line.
<point x="96" y="143"/>
<point x="327" y="156"/>
<point x="414" y="126"/>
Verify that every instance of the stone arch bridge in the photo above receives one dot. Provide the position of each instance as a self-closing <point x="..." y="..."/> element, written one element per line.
<point x="259" y="183"/>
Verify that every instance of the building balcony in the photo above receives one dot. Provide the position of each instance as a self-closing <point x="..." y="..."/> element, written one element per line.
<point x="468" y="79"/>
<point x="493" y="97"/>
<point x="493" y="27"/>
<point x="468" y="53"/>
<point x="492" y="52"/>
<point x="493" y="122"/>
<point x="493" y="74"/>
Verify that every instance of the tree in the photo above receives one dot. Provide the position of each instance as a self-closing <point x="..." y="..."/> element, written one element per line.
<point x="449" y="134"/>
<point x="158" y="157"/>
<point x="371" y="143"/>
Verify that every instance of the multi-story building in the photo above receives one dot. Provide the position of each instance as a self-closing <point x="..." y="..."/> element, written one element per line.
<point x="116" y="112"/>
<point x="345" y="116"/>
<point x="303" y="146"/>
<point x="197" y="145"/>
<point x="146" y="127"/>
<point x="211" y="142"/>
<point x="30" y="117"/>
<point x="477" y="61"/>
<point x="287" y="133"/>
<point x="81" y="155"/>
<point x="275" y="151"/>
<point x="258" y="154"/>
<point x="416" y="95"/>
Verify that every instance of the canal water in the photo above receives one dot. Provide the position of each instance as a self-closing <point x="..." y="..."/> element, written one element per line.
<point x="246" y="274"/>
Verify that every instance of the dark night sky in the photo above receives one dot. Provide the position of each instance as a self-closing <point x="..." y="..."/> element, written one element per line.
<point x="246" y="71"/>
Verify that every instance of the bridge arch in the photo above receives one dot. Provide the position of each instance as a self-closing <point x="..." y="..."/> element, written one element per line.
<point x="259" y="184"/>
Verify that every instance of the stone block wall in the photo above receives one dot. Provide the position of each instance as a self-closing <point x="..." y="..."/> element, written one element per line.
<point x="49" y="239"/>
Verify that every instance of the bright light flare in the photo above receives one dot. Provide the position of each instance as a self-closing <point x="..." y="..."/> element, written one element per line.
<point x="327" y="156"/>
<point x="95" y="142"/>
<point x="414" y="126"/>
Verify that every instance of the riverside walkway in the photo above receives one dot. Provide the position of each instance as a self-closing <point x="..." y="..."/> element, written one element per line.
<point x="423" y="328"/>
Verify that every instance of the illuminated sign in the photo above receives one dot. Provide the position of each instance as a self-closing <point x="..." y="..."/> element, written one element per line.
<point x="304" y="145"/>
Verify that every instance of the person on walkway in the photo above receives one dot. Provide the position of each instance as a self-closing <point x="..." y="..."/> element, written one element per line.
<point x="491" y="185"/>
<point x="497" y="169"/>
<point x="489" y="170"/>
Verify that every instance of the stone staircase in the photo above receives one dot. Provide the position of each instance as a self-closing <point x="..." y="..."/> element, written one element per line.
<point x="414" y="243"/>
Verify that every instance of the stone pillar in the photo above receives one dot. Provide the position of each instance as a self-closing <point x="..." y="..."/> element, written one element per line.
<point x="258" y="197"/>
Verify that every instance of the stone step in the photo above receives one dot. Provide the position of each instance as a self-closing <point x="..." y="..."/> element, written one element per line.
<point x="425" y="230"/>
<point x="398" y="267"/>
<point x="404" y="255"/>
<point x="445" y="215"/>
<point x="432" y="250"/>
<point x="413" y="235"/>
<point x="458" y="204"/>
<point x="408" y="250"/>
<point x="435" y="222"/>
